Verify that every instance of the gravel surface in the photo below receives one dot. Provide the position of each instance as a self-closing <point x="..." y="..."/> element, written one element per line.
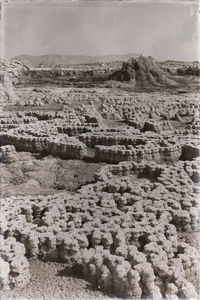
<point x="50" y="281"/>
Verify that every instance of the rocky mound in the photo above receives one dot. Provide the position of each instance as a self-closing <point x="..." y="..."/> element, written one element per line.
<point x="10" y="74"/>
<point x="143" y="71"/>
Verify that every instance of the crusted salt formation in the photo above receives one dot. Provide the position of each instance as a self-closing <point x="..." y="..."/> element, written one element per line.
<point x="13" y="120"/>
<point x="28" y="138"/>
<point x="124" y="230"/>
<point x="133" y="229"/>
<point x="115" y="154"/>
<point x="156" y="126"/>
<point x="45" y="140"/>
<point x="192" y="169"/>
<point x="14" y="267"/>
<point x="64" y="147"/>
<point x="7" y="154"/>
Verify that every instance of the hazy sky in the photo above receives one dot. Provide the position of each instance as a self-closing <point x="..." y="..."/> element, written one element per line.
<point x="162" y="30"/>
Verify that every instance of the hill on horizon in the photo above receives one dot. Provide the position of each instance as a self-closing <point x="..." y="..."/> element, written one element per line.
<point x="58" y="59"/>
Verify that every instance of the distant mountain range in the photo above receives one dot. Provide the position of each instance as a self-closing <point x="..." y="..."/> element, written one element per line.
<point x="56" y="59"/>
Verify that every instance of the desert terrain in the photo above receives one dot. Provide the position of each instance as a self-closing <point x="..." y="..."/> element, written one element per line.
<point x="99" y="179"/>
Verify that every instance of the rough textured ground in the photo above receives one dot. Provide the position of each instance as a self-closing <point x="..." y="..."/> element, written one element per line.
<point x="32" y="175"/>
<point x="53" y="281"/>
<point x="100" y="183"/>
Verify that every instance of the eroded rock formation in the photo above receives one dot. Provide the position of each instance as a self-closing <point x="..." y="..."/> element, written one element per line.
<point x="143" y="71"/>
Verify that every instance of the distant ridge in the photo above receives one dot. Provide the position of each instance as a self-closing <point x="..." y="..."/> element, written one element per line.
<point x="57" y="59"/>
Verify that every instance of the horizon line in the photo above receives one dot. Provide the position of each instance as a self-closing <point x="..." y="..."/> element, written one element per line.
<point x="103" y="55"/>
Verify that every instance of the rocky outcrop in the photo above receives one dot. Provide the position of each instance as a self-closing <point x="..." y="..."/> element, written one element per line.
<point x="127" y="73"/>
<point x="143" y="71"/>
<point x="10" y="73"/>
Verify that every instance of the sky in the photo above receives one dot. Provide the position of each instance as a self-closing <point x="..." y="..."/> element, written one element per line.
<point x="162" y="30"/>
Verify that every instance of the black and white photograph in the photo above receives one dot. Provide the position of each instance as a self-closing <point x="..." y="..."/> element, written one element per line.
<point x="99" y="150"/>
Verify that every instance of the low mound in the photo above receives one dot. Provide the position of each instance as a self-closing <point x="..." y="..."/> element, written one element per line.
<point x="142" y="71"/>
